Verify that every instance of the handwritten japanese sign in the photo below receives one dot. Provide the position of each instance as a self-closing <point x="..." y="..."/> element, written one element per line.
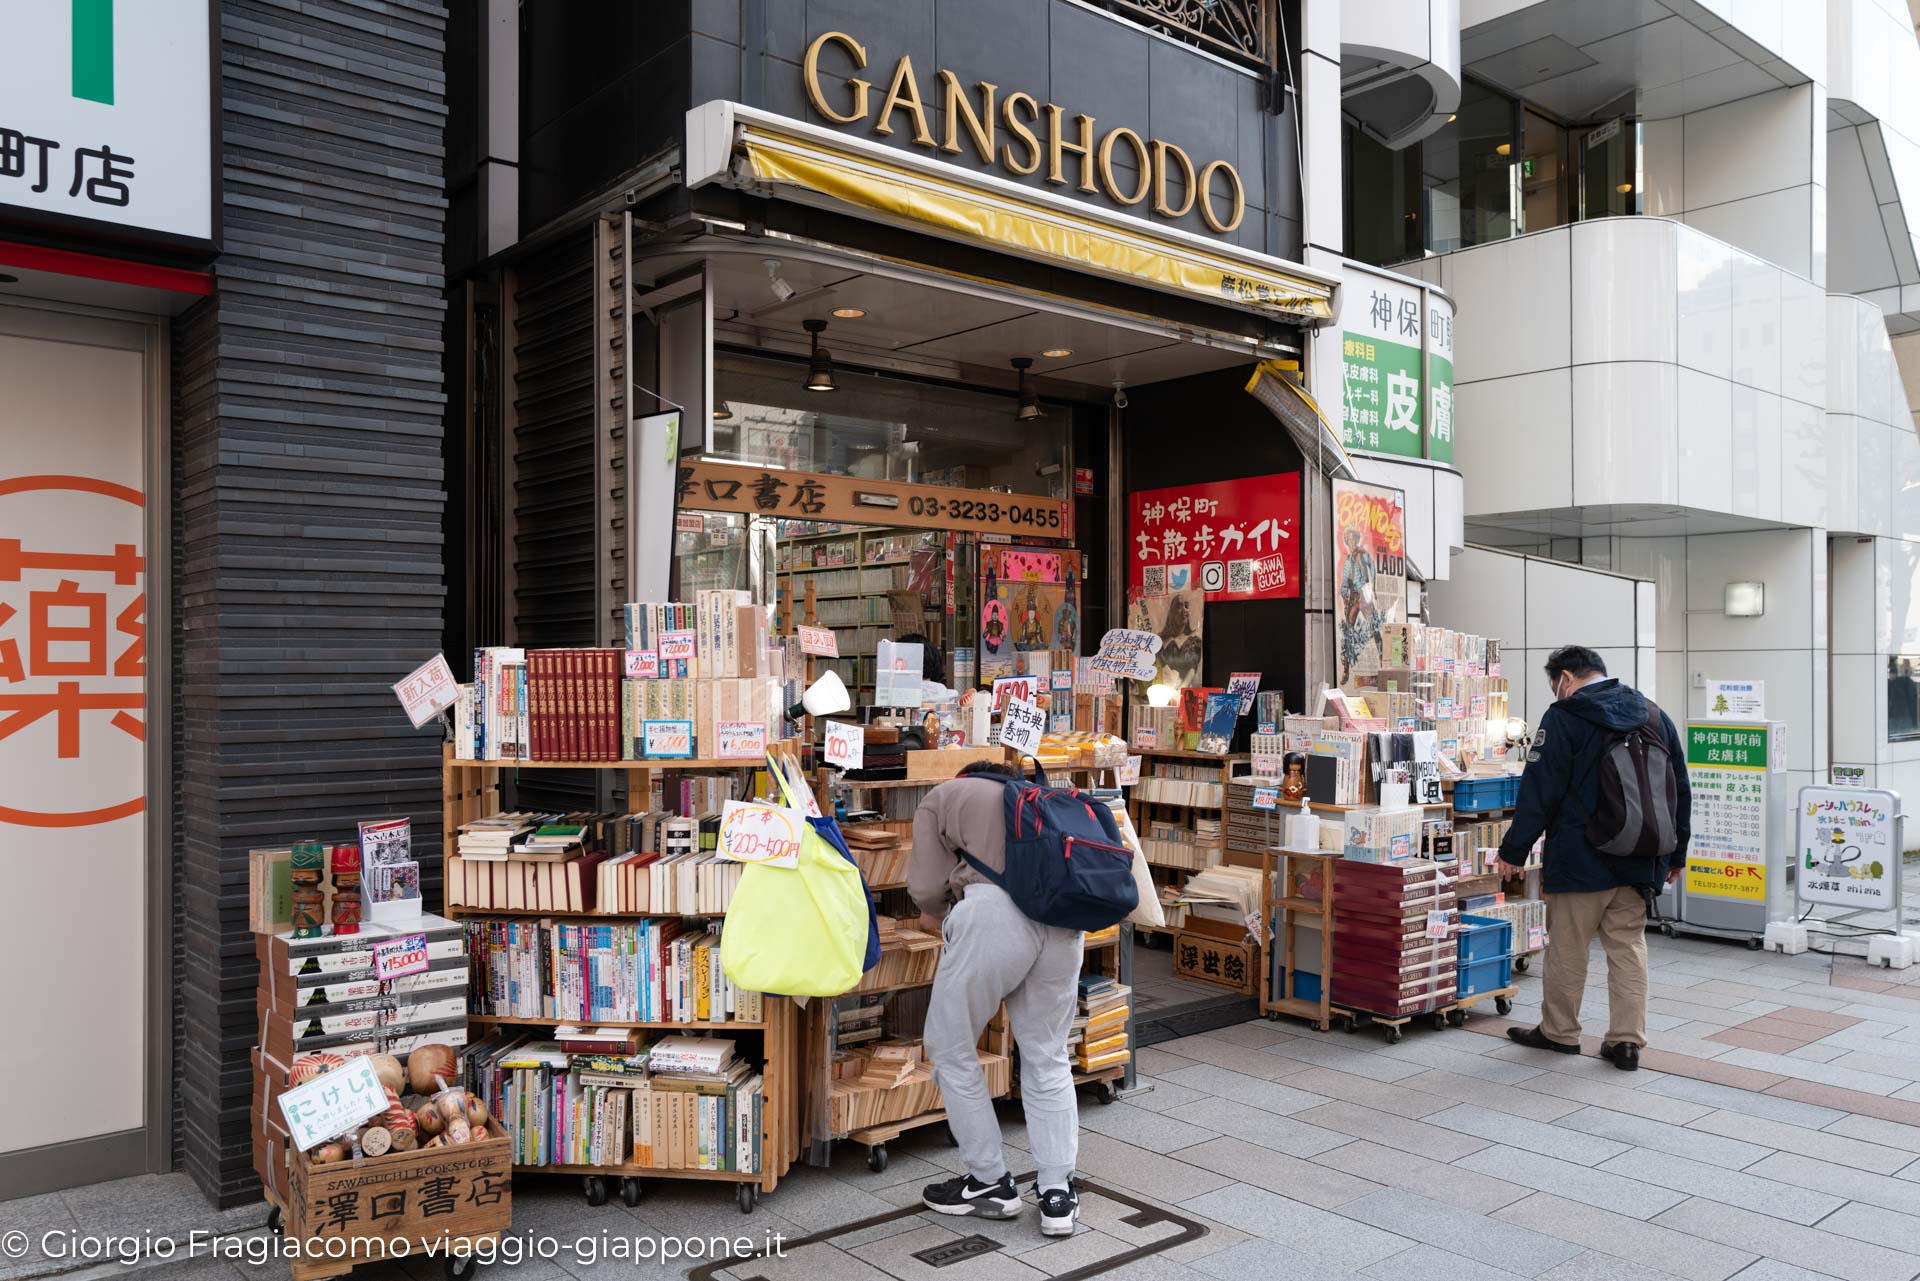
<point x="1848" y="847"/>
<point x="398" y="957"/>
<point x="642" y="664"/>
<point x="1128" y="774"/>
<point x="1008" y="688"/>
<point x="1218" y="537"/>
<point x="818" y="640"/>
<point x="666" y="738"/>
<point x="1128" y="652"/>
<point x="678" y="646"/>
<point x="740" y="740"/>
<point x="428" y="690"/>
<point x="846" y="746"/>
<point x="1022" y="725"/>
<point x="333" y="1103"/>
<point x="1246" y="685"/>
<point x="767" y="835"/>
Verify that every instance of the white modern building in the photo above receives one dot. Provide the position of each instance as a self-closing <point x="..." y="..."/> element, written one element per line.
<point x="1683" y="241"/>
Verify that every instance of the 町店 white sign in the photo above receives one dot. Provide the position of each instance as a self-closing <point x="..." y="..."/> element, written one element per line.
<point x="105" y="113"/>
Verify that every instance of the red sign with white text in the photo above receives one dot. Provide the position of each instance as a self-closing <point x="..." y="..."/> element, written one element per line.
<point x="1232" y="539"/>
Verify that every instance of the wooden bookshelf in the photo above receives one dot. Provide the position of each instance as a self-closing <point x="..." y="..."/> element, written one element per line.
<point x="471" y="790"/>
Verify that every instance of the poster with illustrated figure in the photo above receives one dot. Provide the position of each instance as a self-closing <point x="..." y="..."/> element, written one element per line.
<point x="1029" y="601"/>
<point x="1849" y="848"/>
<point x="1176" y="619"/>
<point x="1369" y="571"/>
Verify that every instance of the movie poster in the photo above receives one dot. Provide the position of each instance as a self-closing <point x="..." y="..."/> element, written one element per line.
<point x="1175" y="617"/>
<point x="1369" y="571"/>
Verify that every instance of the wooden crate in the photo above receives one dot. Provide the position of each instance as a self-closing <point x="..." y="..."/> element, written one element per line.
<point x="1215" y="961"/>
<point x="938" y="764"/>
<point x="462" y="1195"/>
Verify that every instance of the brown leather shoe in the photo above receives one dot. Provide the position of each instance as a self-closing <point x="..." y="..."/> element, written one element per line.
<point x="1534" y="1038"/>
<point x="1624" y="1055"/>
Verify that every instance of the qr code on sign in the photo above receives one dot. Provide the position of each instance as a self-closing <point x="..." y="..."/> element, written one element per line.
<point x="1153" y="580"/>
<point x="1239" y="576"/>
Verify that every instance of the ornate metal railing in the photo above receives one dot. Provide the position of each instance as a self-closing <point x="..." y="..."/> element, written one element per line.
<point x="1238" y="29"/>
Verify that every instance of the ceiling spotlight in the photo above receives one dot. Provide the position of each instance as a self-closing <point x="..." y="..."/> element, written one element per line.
<point x="724" y="414"/>
<point x="820" y="363"/>
<point x="1055" y="353"/>
<point x="781" y="289"/>
<point x="1504" y="149"/>
<point x="849" y="313"/>
<point x="1029" y="398"/>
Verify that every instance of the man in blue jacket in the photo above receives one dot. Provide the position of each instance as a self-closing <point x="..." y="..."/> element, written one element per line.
<point x="1589" y="892"/>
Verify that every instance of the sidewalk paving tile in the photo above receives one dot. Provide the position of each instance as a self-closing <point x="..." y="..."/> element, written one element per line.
<point x="1595" y="1266"/>
<point x="1509" y="1247"/>
<point x="1465" y="1089"/>
<point x="1747" y="1190"/>
<point x="1341" y="1244"/>
<point x="1401" y="1098"/>
<point x="1814" y="1018"/>
<point x="1431" y="1263"/>
<point x="1871" y="1129"/>
<point x="1903" y="1069"/>
<point x="1154" y="1177"/>
<point x="1356" y="1061"/>
<point x="1262" y="1128"/>
<point x="1431" y="1141"/>
<point x="1876" y="1224"/>
<point x="1163" y="1095"/>
<point x="1905" y="1111"/>
<point x="1823" y="1144"/>
<point x="1304" y="1181"/>
<point x="1806" y="1115"/>
<point x="1255" y="1061"/>
<point x="1227" y="1084"/>
<point x="1789" y="1242"/>
<point x="1746" y="1039"/>
<point x="1465" y="1188"/>
<point x="1680" y="1254"/>
<point x="1534" y="1136"/>
<point x="1591" y="1185"/>
<point x="1154" y="1131"/>
<point x="1694" y="1144"/>
<point x="1260" y="1260"/>
<point x="1774" y="1270"/>
<point x="1599" y="1092"/>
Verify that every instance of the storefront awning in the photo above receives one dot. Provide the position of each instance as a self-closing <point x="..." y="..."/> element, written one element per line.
<point x="742" y="147"/>
<point x="1273" y="385"/>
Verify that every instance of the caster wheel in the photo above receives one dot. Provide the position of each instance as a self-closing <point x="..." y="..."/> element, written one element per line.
<point x="1439" y="1020"/>
<point x="1666" y="929"/>
<point x="1457" y="1018"/>
<point x="1107" y="1092"/>
<point x="1504" y="1004"/>
<point x="460" y="1267"/>
<point x="1393" y="1036"/>
<point x="276" y="1221"/>
<point x="1273" y="1016"/>
<point x="876" y="1158"/>
<point x="1322" y="1027"/>
<point x="1344" y="1024"/>
<point x="596" y="1188"/>
<point x="1520" y="964"/>
<point x="750" y="1195"/>
<point x="631" y="1190"/>
<point x="1754" y="945"/>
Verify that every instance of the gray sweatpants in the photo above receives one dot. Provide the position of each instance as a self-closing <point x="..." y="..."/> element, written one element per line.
<point x="995" y="953"/>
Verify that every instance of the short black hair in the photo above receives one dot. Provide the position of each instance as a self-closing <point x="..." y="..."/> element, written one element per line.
<point x="999" y="769"/>
<point x="1577" y="659"/>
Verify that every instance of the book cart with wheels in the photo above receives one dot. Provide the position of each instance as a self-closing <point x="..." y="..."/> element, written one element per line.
<point x="471" y="790"/>
<point x="1282" y="908"/>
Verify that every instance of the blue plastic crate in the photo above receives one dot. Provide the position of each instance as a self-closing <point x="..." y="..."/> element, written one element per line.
<point x="1306" y="987"/>
<point x="1484" y="976"/>
<point x="1512" y="790"/>
<point x="1489" y="793"/>
<point x="1483" y="938"/>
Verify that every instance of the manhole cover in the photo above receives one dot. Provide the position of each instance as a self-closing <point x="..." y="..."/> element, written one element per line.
<point x="954" y="1251"/>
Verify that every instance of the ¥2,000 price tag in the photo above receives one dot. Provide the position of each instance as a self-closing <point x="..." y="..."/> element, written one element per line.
<point x="642" y="664"/>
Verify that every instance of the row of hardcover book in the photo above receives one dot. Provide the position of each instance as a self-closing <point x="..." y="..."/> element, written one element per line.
<point x="635" y="972"/>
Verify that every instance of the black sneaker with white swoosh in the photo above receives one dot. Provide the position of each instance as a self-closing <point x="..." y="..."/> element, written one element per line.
<point x="1059" y="1208"/>
<point x="967" y="1195"/>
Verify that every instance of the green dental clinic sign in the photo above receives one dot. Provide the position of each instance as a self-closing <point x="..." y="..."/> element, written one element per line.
<point x="1396" y="352"/>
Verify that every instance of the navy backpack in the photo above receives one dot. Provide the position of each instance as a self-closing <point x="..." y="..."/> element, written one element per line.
<point x="1066" y="862"/>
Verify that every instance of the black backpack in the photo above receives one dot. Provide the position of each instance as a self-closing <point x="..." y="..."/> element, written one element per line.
<point x="1637" y="814"/>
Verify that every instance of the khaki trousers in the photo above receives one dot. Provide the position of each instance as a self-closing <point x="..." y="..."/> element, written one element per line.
<point x="1619" y="917"/>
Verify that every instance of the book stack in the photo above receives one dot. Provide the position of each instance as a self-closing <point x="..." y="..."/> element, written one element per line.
<point x="517" y="884"/>
<point x="1383" y="960"/>
<point x="493" y="838"/>
<point x="702" y="702"/>
<point x="635" y="972"/>
<point x="494" y="708"/>
<point x="322" y="994"/>
<point x="853" y="1105"/>
<point x="1193" y="785"/>
<point x="880" y="852"/>
<point x="908" y="955"/>
<point x="1171" y="842"/>
<point x="691" y="883"/>
<point x="1099" y="1035"/>
<point x="859" y="1023"/>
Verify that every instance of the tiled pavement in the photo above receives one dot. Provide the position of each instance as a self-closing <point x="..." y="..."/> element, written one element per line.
<point x="1775" y="1133"/>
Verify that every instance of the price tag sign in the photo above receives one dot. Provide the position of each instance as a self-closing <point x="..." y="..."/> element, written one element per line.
<point x="333" y="1103"/>
<point x="1129" y="773"/>
<point x="399" y="957"/>
<point x="846" y="745"/>
<point x="1266" y="798"/>
<point x="643" y="664"/>
<point x="676" y="646"/>
<point x="1146" y="736"/>
<point x="428" y="690"/>
<point x="1437" y="927"/>
<point x="667" y="739"/>
<point x="1128" y="652"/>
<point x="740" y="740"/>
<point x="1246" y="685"/>
<point x="1006" y="688"/>
<point x="819" y="640"/>
<point x="767" y="835"/>
<point x="1021" y="726"/>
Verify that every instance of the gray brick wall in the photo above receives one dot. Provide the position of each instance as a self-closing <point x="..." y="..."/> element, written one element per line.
<point x="309" y="486"/>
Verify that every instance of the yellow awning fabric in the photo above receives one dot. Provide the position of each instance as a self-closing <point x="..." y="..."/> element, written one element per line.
<point x="1030" y="228"/>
